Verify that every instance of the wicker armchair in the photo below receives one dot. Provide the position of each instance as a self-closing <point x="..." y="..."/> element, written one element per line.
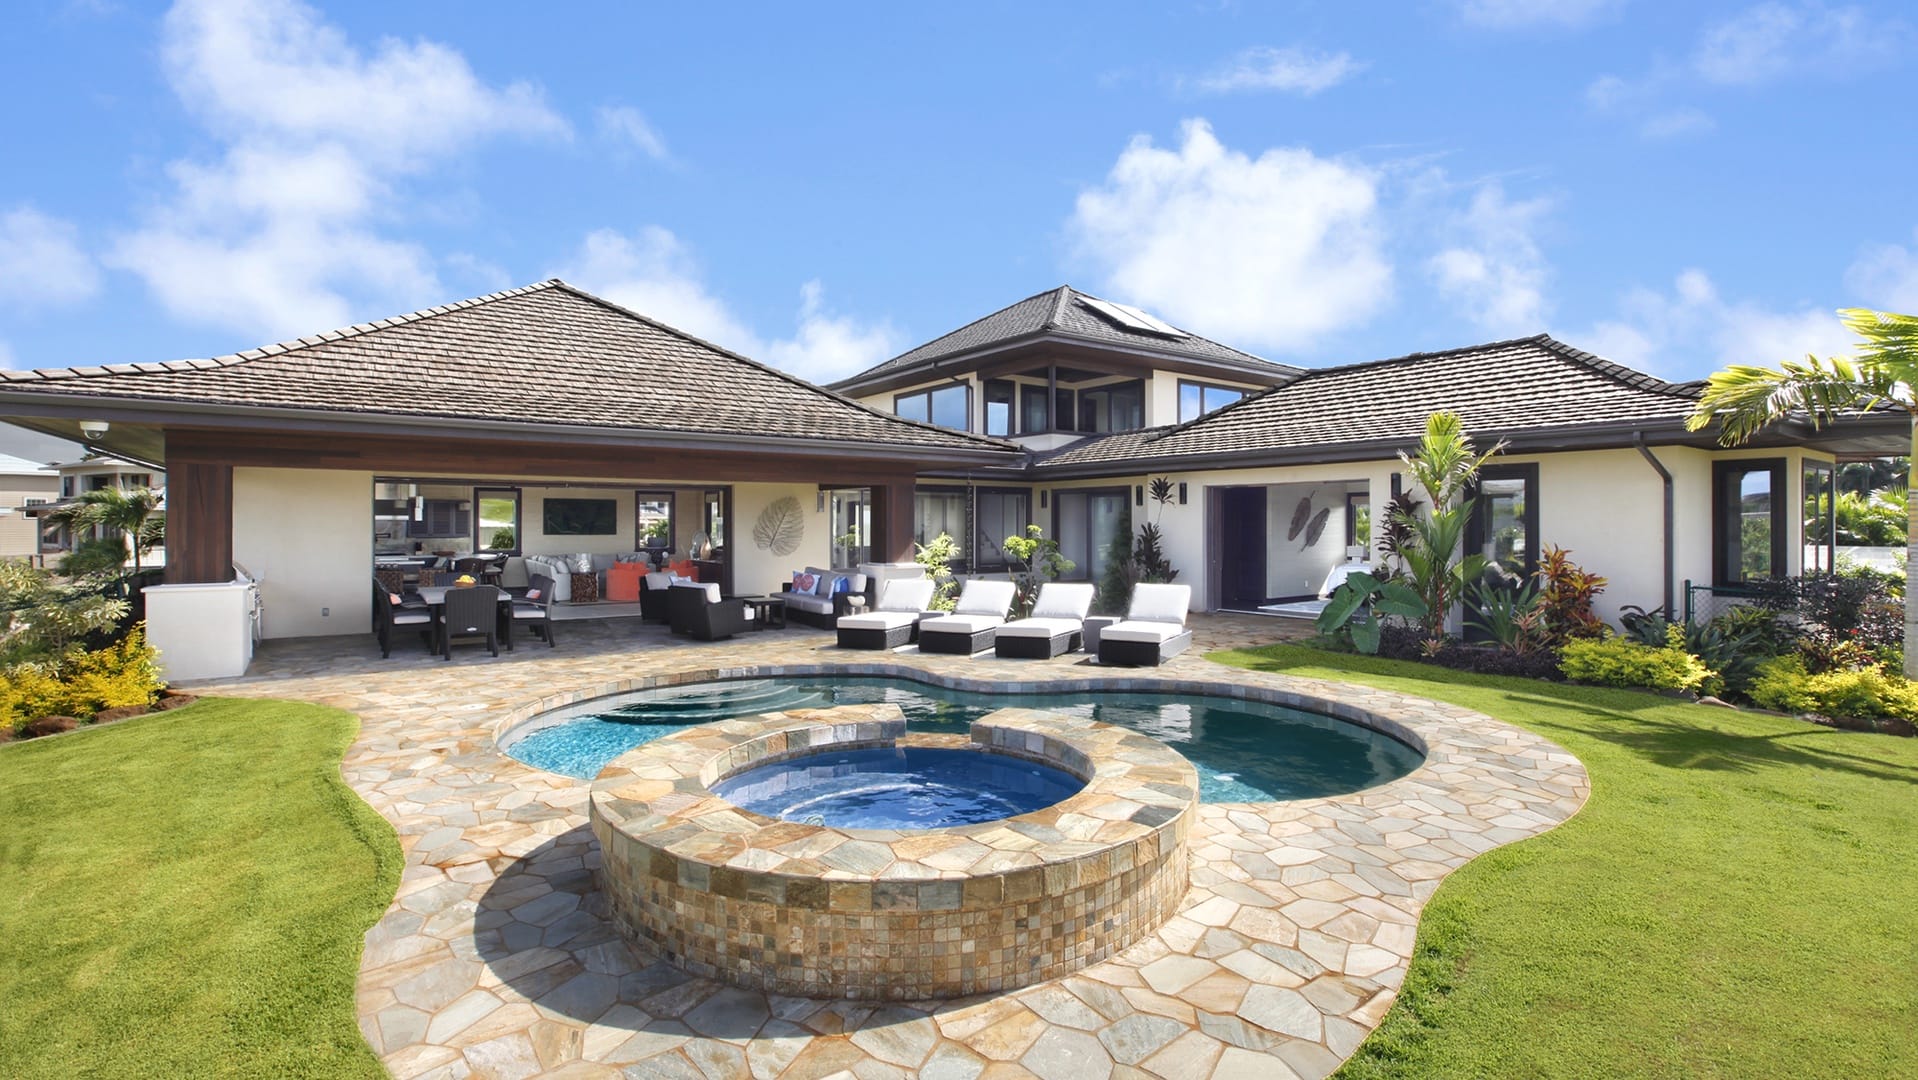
<point x="698" y="610"/>
<point x="471" y="612"/>
<point x="535" y="611"/>
<point x="390" y="615"/>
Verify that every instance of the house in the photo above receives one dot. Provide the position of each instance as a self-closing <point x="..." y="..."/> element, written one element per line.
<point x="93" y="472"/>
<point x="1276" y="471"/>
<point x="545" y="420"/>
<point x="24" y="485"/>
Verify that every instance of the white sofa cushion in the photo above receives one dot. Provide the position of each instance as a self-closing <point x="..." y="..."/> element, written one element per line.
<point x="985" y="598"/>
<point x="879" y="620"/>
<point x="659" y="579"/>
<point x="905" y="594"/>
<point x="960" y="624"/>
<point x="1041" y="628"/>
<point x="558" y="569"/>
<point x="1158" y="603"/>
<point x="1150" y="632"/>
<point x="1064" y="600"/>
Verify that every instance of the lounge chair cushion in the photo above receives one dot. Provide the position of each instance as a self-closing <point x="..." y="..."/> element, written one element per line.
<point x="1146" y="632"/>
<point x="659" y="579"/>
<point x="905" y="594"/>
<point x="985" y="598"/>
<point x="1063" y="600"/>
<point x="411" y="617"/>
<point x="958" y="624"/>
<point x="1041" y="628"/>
<point x="1158" y="603"/>
<point x="879" y="620"/>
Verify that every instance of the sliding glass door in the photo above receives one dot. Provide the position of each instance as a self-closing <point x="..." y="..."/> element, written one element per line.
<point x="1090" y="526"/>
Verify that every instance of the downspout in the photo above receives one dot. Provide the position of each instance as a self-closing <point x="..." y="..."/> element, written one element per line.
<point x="1671" y="550"/>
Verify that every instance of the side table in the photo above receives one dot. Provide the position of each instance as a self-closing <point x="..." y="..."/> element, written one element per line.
<point x="585" y="588"/>
<point x="769" y="612"/>
<point x="1094" y="626"/>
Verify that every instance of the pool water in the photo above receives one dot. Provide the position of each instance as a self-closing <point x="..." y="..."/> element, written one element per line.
<point x="908" y="787"/>
<point x="1245" y="751"/>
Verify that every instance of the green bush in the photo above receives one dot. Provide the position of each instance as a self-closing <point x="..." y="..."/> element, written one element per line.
<point x="81" y="684"/>
<point x="1784" y="685"/>
<point x="1623" y="662"/>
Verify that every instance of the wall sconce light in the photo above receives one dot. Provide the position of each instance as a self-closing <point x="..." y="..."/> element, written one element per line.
<point x="1138" y="494"/>
<point x="1182" y="493"/>
<point x="93" y="429"/>
<point x="820" y="505"/>
<point x="1042" y="498"/>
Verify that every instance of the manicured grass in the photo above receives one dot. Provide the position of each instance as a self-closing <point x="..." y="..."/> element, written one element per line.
<point x="1739" y="897"/>
<point x="184" y="894"/>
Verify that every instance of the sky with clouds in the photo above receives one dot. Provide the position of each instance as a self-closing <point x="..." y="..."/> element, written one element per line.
<point x="1674" y="186"/>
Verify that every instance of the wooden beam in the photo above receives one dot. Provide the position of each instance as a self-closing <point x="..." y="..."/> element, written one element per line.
<point x="892" y="520"/>
<point x="199" y="523"/>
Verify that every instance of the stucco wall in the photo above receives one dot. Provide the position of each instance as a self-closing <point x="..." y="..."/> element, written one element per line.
<point x="1291" y="568"/>
<point x="758" y="570"/>
<point x="307" y="534"/>
<point x="534" y="539"/>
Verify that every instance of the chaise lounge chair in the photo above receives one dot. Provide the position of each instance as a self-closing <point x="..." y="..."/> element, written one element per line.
<point x="894" y="621"/>
<point x="982" y="609"/>
<point x="1153" y="630"/>
<point x="1055" y="627"/>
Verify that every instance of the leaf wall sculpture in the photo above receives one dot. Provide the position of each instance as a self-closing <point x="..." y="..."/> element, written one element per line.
<point x="1300" y="515"/>
<point x="1317" y="528"/>
<point x="780" y="527"/>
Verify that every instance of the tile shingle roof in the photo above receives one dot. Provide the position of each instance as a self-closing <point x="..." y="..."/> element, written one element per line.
<point x="1063" y="313"/>
<point x="542" y="354"/>
<point x="1503" y="388"/>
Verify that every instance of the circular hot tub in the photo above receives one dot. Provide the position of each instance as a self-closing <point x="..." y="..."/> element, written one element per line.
<point x="824" y="909"/>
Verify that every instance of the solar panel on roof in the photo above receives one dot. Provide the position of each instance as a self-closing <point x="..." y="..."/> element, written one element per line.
<point x="1132" y="318"/>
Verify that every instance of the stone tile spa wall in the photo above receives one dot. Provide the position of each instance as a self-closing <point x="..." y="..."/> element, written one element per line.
<point x="876" y="915"/>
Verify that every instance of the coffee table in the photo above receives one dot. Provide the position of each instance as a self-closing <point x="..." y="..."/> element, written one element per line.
<point x="769" y="612"/>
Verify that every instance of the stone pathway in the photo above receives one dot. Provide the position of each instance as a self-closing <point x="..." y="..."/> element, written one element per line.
<point x="496" y="959"/>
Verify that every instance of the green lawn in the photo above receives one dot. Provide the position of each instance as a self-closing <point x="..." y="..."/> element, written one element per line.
<point x="183" y="894"/>
<point x="1738" y="898"/>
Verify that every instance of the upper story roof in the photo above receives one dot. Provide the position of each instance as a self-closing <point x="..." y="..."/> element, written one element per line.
<point x="1064" y="316"/>
<point x="1536" y="389"/>
<point x="19" y="466"/>
<point x="545" y="355"/>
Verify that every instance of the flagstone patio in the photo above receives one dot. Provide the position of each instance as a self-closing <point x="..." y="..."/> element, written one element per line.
<point x="497" y="958"/>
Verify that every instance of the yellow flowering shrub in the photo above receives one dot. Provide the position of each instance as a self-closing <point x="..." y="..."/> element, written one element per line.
<point x="81" y="684"/>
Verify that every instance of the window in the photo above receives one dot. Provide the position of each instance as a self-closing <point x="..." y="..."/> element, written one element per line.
<point x="1504" y="525"/>
<point x="1091" y="525"/>
<point x="132" y="481"/>
<point x="35" y="502"/>
<point x="1197" y="399"/>
<point x="1358" y="519"/>
<point x="498" y="519"/>
<point x="1120" y="407"/>
<point x="66" y="487"/>
<point x="940" y="510"/>
<point x="850" y="512"/>
<point x="1748" y="523"/>
<point x="1818" y="534"/>
<point x="99" y="483"/>
<point x="999" y="406"/>
<point x="1002" y="512"/>
<point x="653" y="520"/>
<point x="946" y="406"/>
<point x="1033" y="417"/>
<point x="715" y="514"/>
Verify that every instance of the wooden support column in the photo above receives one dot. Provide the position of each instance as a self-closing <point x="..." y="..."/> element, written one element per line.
<point x="892" y="520"/>
<point x="199" y="523"/>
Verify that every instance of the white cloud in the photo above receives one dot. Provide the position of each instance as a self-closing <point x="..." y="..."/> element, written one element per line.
<point x="652" y="272"/>
<point x="1272" y="252"/>
<point x="280" y="234"/>
<point x="1676" y="123"/>
<point x="1495" y="271"/>
<point x="1291" y="69"/>
<point x="1692" y="329"/>
<point x="41" y="262"/>
<point x="1510" y="14"/>
<point x="1885" y="277"/>
<point x="1772" y="40"/>
<point x="628" y="127"/>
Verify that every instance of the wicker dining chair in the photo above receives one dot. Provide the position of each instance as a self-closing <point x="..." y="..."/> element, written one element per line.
<point x="472" y="612"/>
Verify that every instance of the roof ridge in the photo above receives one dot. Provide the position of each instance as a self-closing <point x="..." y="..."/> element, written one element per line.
<point x="1632" y="377"/>
<point x="768" y="368"/>
<point x="1061" y="297"/>
<point x="277" y="348"/>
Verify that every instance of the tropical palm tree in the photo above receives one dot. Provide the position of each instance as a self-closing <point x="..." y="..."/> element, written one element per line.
<point x="129" y="513"/>
<point x="1745" y="400"/>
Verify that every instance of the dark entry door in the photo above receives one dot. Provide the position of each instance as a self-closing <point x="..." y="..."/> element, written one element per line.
<point x="1242" y="547"/>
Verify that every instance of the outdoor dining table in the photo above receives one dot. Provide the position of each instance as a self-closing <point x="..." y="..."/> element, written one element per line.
<point x="434" y="596"/>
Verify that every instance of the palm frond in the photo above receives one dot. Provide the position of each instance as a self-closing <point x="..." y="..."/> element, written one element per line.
<point x="1885" y="339"/>
<point x="1744" y="400"/>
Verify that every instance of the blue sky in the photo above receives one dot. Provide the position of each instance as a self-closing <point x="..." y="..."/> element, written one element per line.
<point x="1676" y="186"/>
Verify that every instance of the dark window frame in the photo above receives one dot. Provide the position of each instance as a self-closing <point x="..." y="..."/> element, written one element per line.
<point x="961" y="565"/>
<point x="671" y="500"/>
<point x="1123" y="492"/>
<point x="997" y="563"/>
<point x="1136" y="385"/>
<point x="519" y="517"/>
<point x="928" y="393"/>
<point x="1808" y="467"/>
<point x="1475" y="528"/>
<point x="1202" y="387"/>
<point x="992" y="388"/>
<point x="1725" y="500"/>
<point x="1352" y="519"/>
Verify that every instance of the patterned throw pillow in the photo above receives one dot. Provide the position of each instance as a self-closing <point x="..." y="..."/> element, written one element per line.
<point x="803" y="582"/>
<point x="532" y="594"/>
<point x="582" y="563"/>
<point x="839" y="583"/>
<point x="395" y="598"/>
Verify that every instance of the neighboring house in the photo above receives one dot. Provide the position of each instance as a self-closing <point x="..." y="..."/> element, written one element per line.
<point x="91" y="473"/>
<point x="24" y="486"/>
<point x="1108" y="398"/>
<point x="573" y="426"/>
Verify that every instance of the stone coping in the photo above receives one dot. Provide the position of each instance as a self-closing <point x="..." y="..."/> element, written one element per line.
<point x="881" y="914"/>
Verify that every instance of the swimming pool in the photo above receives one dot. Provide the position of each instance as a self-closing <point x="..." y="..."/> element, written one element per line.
<point x="898" y="787"/>
<point x="1245" y="751"/>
